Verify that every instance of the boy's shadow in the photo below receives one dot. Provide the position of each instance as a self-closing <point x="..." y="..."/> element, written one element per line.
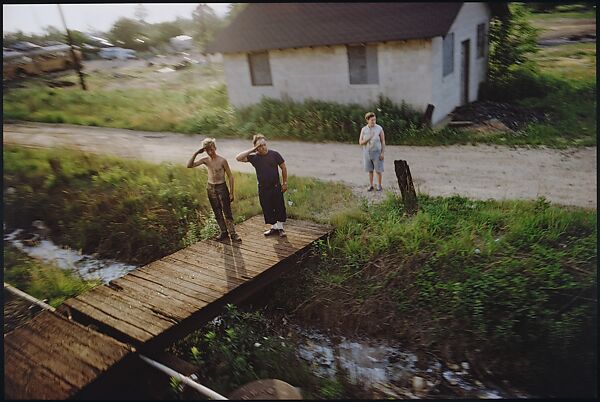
<point x="234" y="263"/>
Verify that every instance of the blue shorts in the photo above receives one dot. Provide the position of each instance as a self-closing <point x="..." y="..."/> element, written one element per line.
<point x="371" y="161"/>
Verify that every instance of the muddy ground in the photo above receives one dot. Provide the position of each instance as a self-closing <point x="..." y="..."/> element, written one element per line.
<point x="566" y="177"/>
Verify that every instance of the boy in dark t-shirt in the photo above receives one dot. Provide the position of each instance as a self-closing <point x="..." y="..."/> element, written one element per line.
<point x="270" y="190"/>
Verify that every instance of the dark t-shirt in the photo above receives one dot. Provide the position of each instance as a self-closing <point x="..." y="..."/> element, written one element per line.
<point x="267" y="171"/>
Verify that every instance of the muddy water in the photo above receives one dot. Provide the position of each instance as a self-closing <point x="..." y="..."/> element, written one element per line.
<point x="85" y="265"/>
<point x="390" y="371"/>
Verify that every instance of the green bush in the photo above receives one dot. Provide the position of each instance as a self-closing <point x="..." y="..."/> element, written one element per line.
<point x="239" y="347"/>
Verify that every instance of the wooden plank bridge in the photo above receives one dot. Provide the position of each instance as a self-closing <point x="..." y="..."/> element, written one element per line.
<point x="52" y="357"/>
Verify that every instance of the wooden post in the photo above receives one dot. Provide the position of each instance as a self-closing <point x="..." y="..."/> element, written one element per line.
<point x="73" y="55"/>
<point x="426" y="122"/>
<point x="409" y="196"/>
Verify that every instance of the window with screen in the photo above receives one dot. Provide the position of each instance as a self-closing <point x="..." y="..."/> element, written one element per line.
<point x="362" y="64"/>
<point x="260" y="70"/>
<point x="480" y="40"/>
<point x="448" y="54"/>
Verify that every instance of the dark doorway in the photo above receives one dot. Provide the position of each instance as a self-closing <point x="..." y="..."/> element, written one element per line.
<point x="465" y="57"/>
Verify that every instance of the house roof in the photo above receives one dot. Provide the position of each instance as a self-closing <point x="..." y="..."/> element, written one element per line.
<point x="265" y="26"/>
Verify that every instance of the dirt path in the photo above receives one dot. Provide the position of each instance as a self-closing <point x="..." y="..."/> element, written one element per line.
<point x="565" y="177"/>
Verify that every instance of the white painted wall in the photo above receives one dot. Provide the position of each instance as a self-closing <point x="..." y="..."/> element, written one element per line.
<point x="446" y="90"/>
<point x="409" y="71"/>
<point x="322" y="73"/>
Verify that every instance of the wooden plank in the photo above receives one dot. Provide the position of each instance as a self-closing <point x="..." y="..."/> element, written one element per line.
<point x="118" y="308"/>
<point x="295" y="238"/>
<point x="198" y="275"/>
<point x="100" y="315"/>
<point x="98" y="346"/>
<point x="291" y="240"/>
<point x="217" y="251"/>
<point x="174" y="297"/>
<point x="295" y="225"/>
<point x="88" y="353"/>
<point x="244" y="270"/>
<point x="141" y="305"/>
<point x="137" y="306"/>
<point x="213" y="250"/>
<point x="278" y="246"/>
<point x="168" y="298"/>
<point x="295" y="232"/>
<point x="221" y="260"/>
<point x="215" y="264"/>
<point x="216" y="276"/>
<point x="154" y="302"/>
<point x="175" y="282"/>
<point x="26" y="380"/>
<point x="208" y="274"/>
<point x="61" y="364"/>
<point x="177" y="287"/>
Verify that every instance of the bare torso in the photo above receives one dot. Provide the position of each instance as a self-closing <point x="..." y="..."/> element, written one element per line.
<point x="216" y="169"/>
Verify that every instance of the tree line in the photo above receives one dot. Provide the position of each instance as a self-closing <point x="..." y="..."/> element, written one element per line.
<point x="136" y="33"/>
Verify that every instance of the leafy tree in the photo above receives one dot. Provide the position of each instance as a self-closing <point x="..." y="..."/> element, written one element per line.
<point x="233" y="10"/>
<point x="128" y="33"/>
<point x="10" y="38"/>
<point x="52" y="33"/>
<point x="162" y="32"/>
<point x="79" y="38"/>
<point x="207" y="23"/>
<point x="141" y="12"/>
<point x="512" y="38"/>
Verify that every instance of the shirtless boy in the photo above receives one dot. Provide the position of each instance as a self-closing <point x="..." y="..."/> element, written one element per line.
<point x="219" y="195"/>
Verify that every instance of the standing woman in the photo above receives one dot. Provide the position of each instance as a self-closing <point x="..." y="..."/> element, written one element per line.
<point x="372" y="140"/>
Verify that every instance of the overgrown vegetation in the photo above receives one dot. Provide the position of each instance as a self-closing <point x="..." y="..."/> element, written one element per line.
<point x="519" y="72"/>
<point x="239" y="347"/>
<point x="132" y="210"/>
<point x="42" y="280"/>
<point x="508" y="285"/>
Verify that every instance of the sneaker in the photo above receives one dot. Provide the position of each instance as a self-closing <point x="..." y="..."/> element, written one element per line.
<point x="270" y="232"/>
<point x="235" y="237"/>
<point x="370" y="188"/>
<point x="222" y="236"/>
<point x="282" y="233"/>
<point x="379" y="188"/>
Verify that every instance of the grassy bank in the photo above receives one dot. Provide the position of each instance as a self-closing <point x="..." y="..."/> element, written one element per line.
<point x="509" y="286"/>
<point x="132" y="210"/>
<point x="42" y="280"/>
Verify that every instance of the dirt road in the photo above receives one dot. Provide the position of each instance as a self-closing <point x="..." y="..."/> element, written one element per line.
<point x="565" y="177"/>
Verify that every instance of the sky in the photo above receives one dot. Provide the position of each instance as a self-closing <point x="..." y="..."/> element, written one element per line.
<point x="32" y="18"/>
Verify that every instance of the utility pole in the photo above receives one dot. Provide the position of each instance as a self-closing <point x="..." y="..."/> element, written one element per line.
<point x="75" y="58"/>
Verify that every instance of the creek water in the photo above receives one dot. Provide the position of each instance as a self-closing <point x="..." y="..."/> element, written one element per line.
<point x="390" y="371"/>
<point x="85" y="265"/>
<point x="379" y="367"/>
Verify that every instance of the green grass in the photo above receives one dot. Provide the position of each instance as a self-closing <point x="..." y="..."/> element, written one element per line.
<point x="576" y="61"/>
<point x="42" y="280"/>
<point x="132" y="210"/>
<point x="569" y="103"/>
<point x="512" y="283"/>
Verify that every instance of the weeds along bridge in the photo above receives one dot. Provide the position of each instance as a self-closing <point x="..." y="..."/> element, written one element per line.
<point x="84" y="347"/>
